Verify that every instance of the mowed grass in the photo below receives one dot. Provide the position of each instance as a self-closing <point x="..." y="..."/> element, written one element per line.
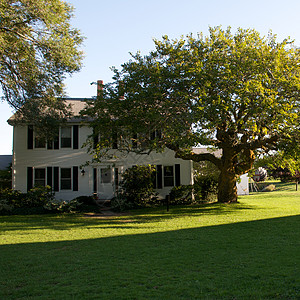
<point x="248" y="250"/>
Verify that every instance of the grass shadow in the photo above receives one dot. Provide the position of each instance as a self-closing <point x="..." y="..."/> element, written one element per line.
<point x="139" y="216"/>
<point x="248" y="260"/>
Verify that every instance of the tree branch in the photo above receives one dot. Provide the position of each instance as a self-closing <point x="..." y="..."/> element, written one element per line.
<point x="189" y="155"/>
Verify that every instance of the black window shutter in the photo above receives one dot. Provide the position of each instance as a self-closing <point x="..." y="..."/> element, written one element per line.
<point x="56" y="142"/>
<point x="29" y="178"/>
<point x="159" y="176"/>
<point x="49" y="176"/>
<point x="95" y="180"/>
<point x="154" y="178"/>
<point x="75" y="136"/>
<point x="177" y="175"/>
<point x="56" y="179"/>
<point x="75" y="178"/>
<point x="95" y="139"/>
<point x="30" y="137"/>
<point x="49" y="144"/>
<point x="116" y="179"/>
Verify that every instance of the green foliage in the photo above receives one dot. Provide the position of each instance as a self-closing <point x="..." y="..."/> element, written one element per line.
<point x="136" y="188"/>
<point x="87" y="204"/>
<point x="206" y="188"/>
<point x="61" y="206"/>
<point x="281" y="164"/>
<point x="38" y="47"/>
<point x="16" y="202"/>
<point x="39" y="196"/>
<point x="5" y="206"/>
<point x="13" y="198"/>
<point x="236" y="92"/>
<point x="182" y="194"/>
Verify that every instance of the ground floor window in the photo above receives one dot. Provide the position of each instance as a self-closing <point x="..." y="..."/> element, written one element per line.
<point x="65" y="178"/>
<point x="39" y="177"/>
<point x="168" y="176"/>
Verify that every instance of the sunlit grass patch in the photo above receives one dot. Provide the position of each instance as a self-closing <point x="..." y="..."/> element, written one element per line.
<point x="247" y="250"/>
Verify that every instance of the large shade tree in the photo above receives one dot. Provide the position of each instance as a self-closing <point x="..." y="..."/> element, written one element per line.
<point x="238" y="92"/>
<point x="38" y="47"/>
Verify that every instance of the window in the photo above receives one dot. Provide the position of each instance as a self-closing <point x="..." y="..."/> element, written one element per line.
<point x="106" y="175"/>
<point x="39" y="177"/>
<point x="168" y="176"/>
<point x="65" y="179"/>
<point x="39" y="142"/>
<point x="53" y="143"/>
<point x="155" y="134"/>
<point x="66" y="133"/>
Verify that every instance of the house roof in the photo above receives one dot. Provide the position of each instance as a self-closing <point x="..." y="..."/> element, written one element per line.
<point x="5" y="161"/>
<point x="76" y="104"/>
<point x="217" y="153"/>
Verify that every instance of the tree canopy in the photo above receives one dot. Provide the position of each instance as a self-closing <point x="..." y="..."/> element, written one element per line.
<point x="38" y="47"/>
<point x="238" y="92"/>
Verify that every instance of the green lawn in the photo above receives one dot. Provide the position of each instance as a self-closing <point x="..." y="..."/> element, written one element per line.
<point x="248" y="250"/>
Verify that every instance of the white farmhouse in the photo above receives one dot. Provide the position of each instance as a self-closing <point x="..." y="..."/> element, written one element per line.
<point x="59" y="163"/>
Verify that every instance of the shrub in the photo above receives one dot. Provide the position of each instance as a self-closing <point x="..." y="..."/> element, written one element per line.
<point x="86" y="200"/>
<point x="205" y="188"/>
<point x="136" y="188"/>
<point x="87" y="204"/>
<point x="62" y="206"/>
<point x="13" y="198"/>
<point x="4" y="206"/>
<point x="120" y="203"/>
<point x="181" y="195"/>
<point x="39" y="196"/>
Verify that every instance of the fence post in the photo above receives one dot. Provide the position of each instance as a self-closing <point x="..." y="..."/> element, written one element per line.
<point x="167" y="201"/>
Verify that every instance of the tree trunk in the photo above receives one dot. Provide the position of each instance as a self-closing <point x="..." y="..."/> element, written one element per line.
<point x="227" y="190"/>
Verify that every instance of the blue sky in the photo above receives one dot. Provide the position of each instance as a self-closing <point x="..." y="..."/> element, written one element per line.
<point x="115" y="28"/>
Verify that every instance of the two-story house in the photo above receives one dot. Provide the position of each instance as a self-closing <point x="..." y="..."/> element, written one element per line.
<point x="60" y="163"/>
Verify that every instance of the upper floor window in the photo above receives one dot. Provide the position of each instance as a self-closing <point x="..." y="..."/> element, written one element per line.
<point x="66" y="137"/>
<point x="39" y="142"/>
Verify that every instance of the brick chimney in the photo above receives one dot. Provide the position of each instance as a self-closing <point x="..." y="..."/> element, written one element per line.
<point x="99" y="87"/>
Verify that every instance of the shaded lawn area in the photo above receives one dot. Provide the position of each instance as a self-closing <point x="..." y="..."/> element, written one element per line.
<point x="248" y="250"/>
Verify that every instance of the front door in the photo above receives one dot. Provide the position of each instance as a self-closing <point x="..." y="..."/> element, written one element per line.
<point x="105" y="183"/>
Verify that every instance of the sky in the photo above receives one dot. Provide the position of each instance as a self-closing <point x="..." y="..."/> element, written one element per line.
<point x="113" y="29"/>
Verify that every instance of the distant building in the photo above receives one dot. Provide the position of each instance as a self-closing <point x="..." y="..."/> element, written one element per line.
<point x="5" y="161"/>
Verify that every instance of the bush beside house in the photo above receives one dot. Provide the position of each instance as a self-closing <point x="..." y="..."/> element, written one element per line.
<point x="37" y="200"/>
